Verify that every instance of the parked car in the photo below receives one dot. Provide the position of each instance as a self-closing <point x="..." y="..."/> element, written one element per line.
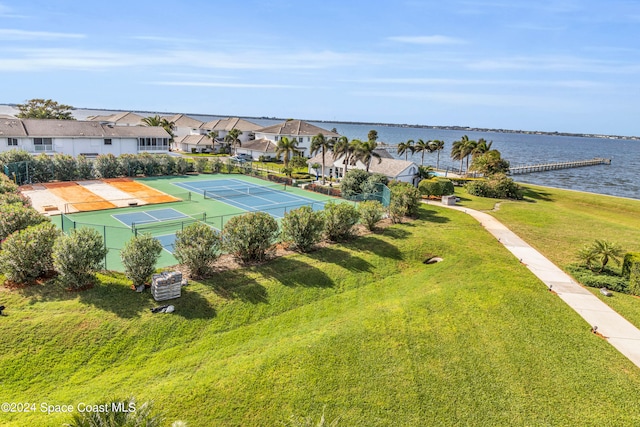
<point x="237" y="159"/>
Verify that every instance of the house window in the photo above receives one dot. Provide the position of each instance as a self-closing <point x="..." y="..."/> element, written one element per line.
<point x="107" y="141"/>
<point x="12" y="142"/>
<point x="43" y="144"/>
<point x="300" y="139"/>
<point x="275" y="138"/>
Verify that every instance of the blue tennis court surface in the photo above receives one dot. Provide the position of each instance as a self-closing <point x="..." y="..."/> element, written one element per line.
<point x="167" y="241"/>
<point x="146" y="217"/>
<point x="249" y="196"/>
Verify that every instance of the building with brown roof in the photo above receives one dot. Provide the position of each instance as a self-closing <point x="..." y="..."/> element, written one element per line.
<point x="299" y="130"/>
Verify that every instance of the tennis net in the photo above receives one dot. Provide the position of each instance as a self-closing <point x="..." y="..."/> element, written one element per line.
<point x="171" y="225"/>
<point x="231" y="192"/>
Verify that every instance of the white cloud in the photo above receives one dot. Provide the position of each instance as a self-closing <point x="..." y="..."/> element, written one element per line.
<point x="228" y="85"/>
<point x="427" y="40"/>
<point x="11" y="34"/>
<point x="581" y="84"/>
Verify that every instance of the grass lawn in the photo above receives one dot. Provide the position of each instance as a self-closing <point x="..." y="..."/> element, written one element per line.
<point x="364" y="330"/>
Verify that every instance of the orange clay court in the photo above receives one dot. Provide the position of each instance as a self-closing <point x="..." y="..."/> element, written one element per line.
<point x="92" y="195"/>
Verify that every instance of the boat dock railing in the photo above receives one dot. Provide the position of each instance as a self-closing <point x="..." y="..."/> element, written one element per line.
<point x="541" y="167"/>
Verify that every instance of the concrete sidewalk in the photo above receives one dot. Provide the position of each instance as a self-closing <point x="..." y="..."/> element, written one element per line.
<point x="617" y="330"/>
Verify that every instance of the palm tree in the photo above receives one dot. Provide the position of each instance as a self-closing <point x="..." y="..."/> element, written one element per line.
<point x="365" y="152"/>
<point x="462" y="149"/>
<point x="232" y="138"/>
<point x="343" y="147"/>
<point x="422" y="147"/>
<point x="405" y="148"/>
<point x="437" y="146"/>
<point x="605" y="251"/>
<point x="212" y="136"/>
<point x="287" y="147"/>
<point x="161" y="122"/>
<point x="457" y="152"/>
<point x="481" y="147"/>
<point x="372" y="135"/>
<point x="321" y="144"/>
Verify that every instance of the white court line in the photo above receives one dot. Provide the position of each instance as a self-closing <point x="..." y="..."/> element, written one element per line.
<point x="135" y="222"/>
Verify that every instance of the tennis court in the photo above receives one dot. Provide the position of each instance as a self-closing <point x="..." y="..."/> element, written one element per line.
<point x="271" y="198"/>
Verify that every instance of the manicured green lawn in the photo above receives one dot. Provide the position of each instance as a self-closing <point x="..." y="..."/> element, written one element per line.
<point x="364" y="329"/>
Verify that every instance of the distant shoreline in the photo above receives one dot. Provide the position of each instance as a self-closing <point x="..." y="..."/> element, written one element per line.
<point x="405" y="125"/>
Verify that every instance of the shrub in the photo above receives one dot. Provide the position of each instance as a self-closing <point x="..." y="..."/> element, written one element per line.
<point x="197" y="246"/>
<point x="371" y="211"/>
<point x="84" y="168"/>
<point x="405" y="201"/>
<point x="182" y="166"/>
<point x="353" y="182"/>
<point x="106" y="166"/>
<point x="250" y="237"/>
<point x="26" y="254"/>
<point x="340" y="218"/>
<point x="302" y="228"/>
<point x="148" y="164"/>
<point x="6" y="185"/>
<point x="498" y="186"/>
<point x="42" y="168"/>
<point x="330" y="191"/>
<point x="15" y="216"/>
<point x="280" y="179"/>
<point x="630" y="259"/>
<point x="371" y="184"/>
<point x="139" y="257"/>
<point x="201" y="164"/>
<point x="436" y="187"/>
<point x="166" y="164"/>
<point x="64" y="167"/>
<point x="128" y="165"/>
<point x="298" y="162"/>
<point x="77" y="256"/>
<point x="607" y="278"/>
<point x="9" y="198"/>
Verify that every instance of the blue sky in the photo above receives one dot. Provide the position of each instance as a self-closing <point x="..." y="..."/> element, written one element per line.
<point x="569" y="66"/>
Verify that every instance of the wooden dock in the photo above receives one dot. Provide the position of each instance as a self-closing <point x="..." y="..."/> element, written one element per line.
<point x="558" y="165"/>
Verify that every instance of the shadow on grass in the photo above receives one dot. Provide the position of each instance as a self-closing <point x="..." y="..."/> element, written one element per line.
<point x="342" y="258"/>
<point x="380" y="247"/>
<point x="531" y="195"/>
<point x="292" y="272"/>
<point x="235" y="284"/>
<point x="432" y="216"/>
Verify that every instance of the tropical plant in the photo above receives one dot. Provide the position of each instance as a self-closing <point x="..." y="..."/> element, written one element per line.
<point x="44" y="109"/>
<point x="139" y="257"/>
<point x="343" y="147"/>
<point x="371" y="212"/>
<point x="490" y="163"/>
<point x="316" y="167"/>
<point x="77" y="256"/>
<point x="422" y="147"/>
<point x="406" y="148"/>
<point x="121" y="413"/>
<point x="405" y="201"/>
<point x="162" y="122"/>
<point x="298" y="162"/>
<point x="482" y="147"/>
<point x="42" y="168"/>
<point x="250" y="237"/>
<point x="320" y="144"/>
<point x="340" y="218"/>
<point x="461" y="149"/>
<point x="106" y="166"/>
<point x="201" y="164"/>
<point x="26" y="254"/>
<point x="436" y="146"/>
<point x="197" y="247"/>
<point x="302" y="228"/>
<point x="365" y="151"/>
<point x="372" y="135"/>
<point x="232" y="138"/>
<point x="435" y="187"/>
<point x="498" y="186"/>
<point x="287" y="147"/>
<point x="64" y="167"/>
<point x="425" y="172"/>
<point x="602" y="251"/>
<point x="353" y="181"/>
<point x="84" y="168"/>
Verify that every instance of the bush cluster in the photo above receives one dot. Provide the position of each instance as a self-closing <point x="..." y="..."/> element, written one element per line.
<point x="340" y="218"/>
<point x="197" y="247"/>
<point x="77" y="256"/>
<point x="329" y="191"/>
<point x="358" y="181"/>
<point x="27" y="254"/>
<point x="405" y="201"/>
<point x="280" y="179"/>
<point x="250" y="237"/>
<point x="498" y="186"/>
<point x="64" y="167"/>
<point x="302" y="228"/>
<point x="371" y="212"/>
<point x="607" y="278"/>
<point x="631" y="271"/>
<point x="436" y="187"/>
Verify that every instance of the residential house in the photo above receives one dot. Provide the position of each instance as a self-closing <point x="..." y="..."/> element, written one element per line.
<point x="223" y="126"/>
<point x="394" y="169"/>
<point x="119" y="119"/>
<point x="299" y="130"/>
<point x="184" y="125"/>
<point x="196" y="144"/>
<point x="258" y="148"/>
<point x="76" y="137"/>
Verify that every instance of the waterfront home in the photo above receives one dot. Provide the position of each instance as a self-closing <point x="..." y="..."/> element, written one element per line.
<point x="258" y="148"/>
<point x="223" y="126"/>
<point x="394" y="169"/>
<point x="184" y="125"/>
<point x="119" y="119"/>
<point x="196" y="144"/>
<point x="299" y="130"/>
<point x="75" y="137"/>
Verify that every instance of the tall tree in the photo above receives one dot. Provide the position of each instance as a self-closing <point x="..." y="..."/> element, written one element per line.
<point x="287" y="148"/>
<point x="365" y="152"/>
<point x="481" y="147"/>
<point x="422" y="147"/>
<point x="213" y="135"/>
<point x="462" y="149"/>
<point x="436" y="146"/>
<point x="343" y="147"/>
<point x="321" y="144"/>
<point x="372" y="135"/>
<point x="233" y="139"/>
<point x="406" y="148"/>
<point x="44" y="109"/>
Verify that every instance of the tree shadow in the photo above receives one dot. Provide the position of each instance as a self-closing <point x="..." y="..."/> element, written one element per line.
<point x="432" y="216"/>
<point x="531" y="195"/>
<point x="378" y="246"/>
<point x="235" y="284"/>
<point x="342" y="258"/>
<point x="294" y="273"/>
<point x="396" y="233"/>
